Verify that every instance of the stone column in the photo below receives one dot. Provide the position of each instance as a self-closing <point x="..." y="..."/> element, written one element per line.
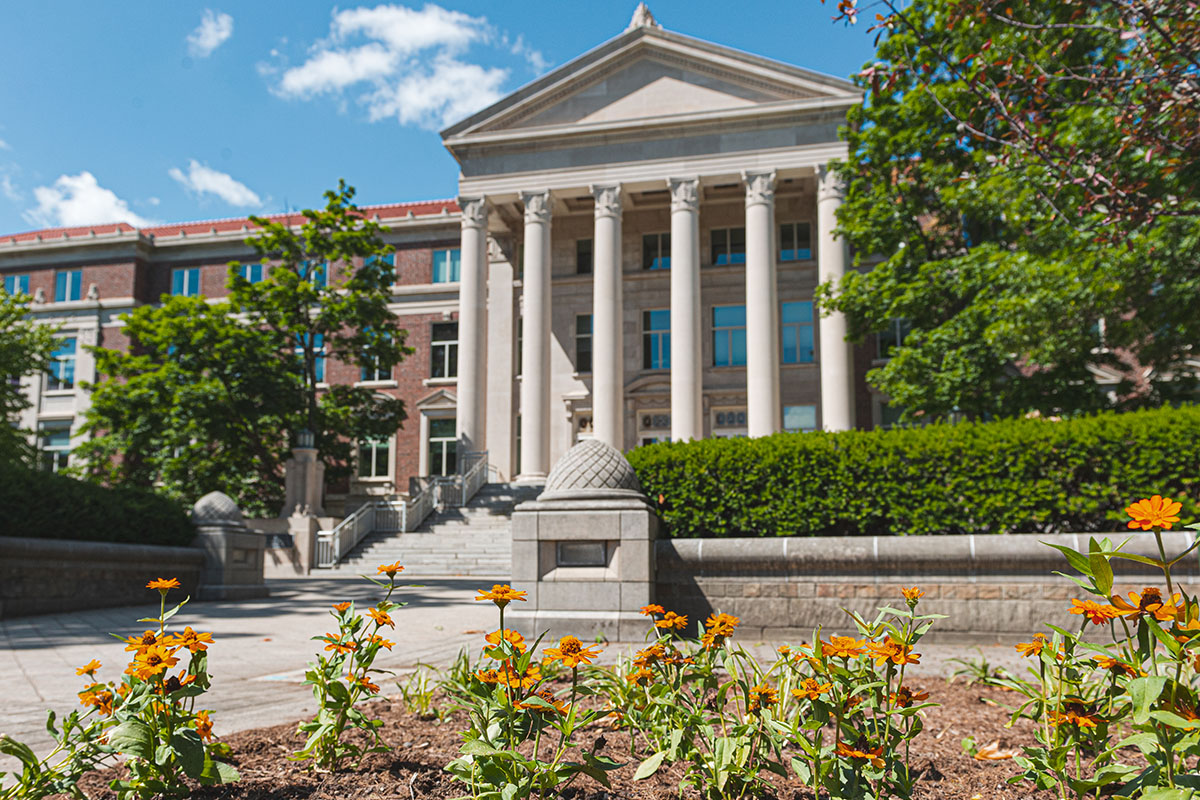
<point x="687" y="417"/>
<point x="472" y="326"/>
<point x="762" y="306"/>
<point x="608" y="373"/>
<point x="836" y="356"/>
<point x="535" y="345"/>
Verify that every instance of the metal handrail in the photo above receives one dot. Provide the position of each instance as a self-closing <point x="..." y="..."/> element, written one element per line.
<point x="332" y="544"/>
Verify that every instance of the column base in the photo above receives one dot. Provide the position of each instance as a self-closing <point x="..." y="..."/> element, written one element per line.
<point x="530" y="478"/>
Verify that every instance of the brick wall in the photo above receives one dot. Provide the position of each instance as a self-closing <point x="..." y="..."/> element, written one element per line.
<point x="411" y="375"/>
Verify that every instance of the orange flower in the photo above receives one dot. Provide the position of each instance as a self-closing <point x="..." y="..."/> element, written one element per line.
<point x="527" y="680"/>
<point x="1098" y="614"/>
<point x="488" y="676"/>
<point x="783" y="650"/>
<point x="147" y="639"/>
<point x="1075" y="711"/>
<point x="891" y="650"/>
<point x="672" y="621"/>
<point x="1157" y="512"/>
<point x="508" y="635"/>
<point x="204" y="726"/>
<point x="904" y="697"/>
<point x="653" y="608"/>
<point x="163" y="584"/>
<point x="381" y="617"/>
<point x="151" y="661"/>
<point x="336" y="645"/>
<point x="570" y="652"/>
<point x="1116" y="667"/>
<point x="364" y="682"/>
<point x="641" y="677"/>
<point x="389" y="569"/>
<point x="761" y="697"/>
<point x="549" y="697"/>
<point x="341" y="607"/>
<point x="98" y="697"/>
<point x="719" y="628"/>
<point x="649" y="655"/>
<point x="195" y="642"/>
<point x="842" y="647"/>
<point x="810" y="689"/>
<point x="379" y="640"/>
<point x="1033" y="648"/>
<point x="88" y="668"/>
<point x="911" y="596"/>
<point x="846" y="751"/>
<point x="501" y="594"/>
<point x="1149" y="602"/>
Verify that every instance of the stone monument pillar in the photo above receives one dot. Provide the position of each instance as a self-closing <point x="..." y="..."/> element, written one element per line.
<point x="584" y="550"/>
<point x="304" y="479"/>
<point x="233" y="554"/>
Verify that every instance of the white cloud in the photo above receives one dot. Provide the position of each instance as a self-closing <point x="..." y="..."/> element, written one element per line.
<point x="80" y="200"/>
<point x="409" y="64"/>
<point x="9" y="189"/>
<point x="4" y="145"/>
<point x="215" y="27"/>
<point x="202" y="179"/>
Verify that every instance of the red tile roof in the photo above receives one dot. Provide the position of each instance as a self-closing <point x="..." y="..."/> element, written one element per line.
<point x="421" y="208"/>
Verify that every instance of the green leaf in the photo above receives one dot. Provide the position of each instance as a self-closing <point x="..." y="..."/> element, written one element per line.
<point x="649" y="766"/>
<point x="1143" y="693"/>
<point x="1079" y="561"/>
<point x="132" y="738"/>
<point x="18" y="750"/>
<point x="477" y="747"/>
<point x="1101" y="569"/>
<point x="190" y="750"/>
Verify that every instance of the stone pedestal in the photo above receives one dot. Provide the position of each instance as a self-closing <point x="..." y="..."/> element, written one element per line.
<point x="233" y="554"/>
<point x="584" y="550"/>
<point x="304" y="482"/>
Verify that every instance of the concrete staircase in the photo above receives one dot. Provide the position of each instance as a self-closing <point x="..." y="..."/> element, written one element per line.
<point x="472" y="541"/>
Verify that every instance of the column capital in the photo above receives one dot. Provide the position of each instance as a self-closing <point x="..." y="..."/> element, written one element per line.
<point x="537" y="206"/>
<point x="685" y="194"/>
<point x="608" y="199"/>
<point x="830" y="185"/>
<point x="760" y="186"/>
<point x="474" y="211"/>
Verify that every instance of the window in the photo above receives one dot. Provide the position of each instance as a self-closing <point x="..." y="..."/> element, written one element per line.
<point x="795" y="241"/>
<point x="583" y="342"/>
<point x="520" y="344"/>
<point x="185" y="282"/>
<point x="729" y="336"/>
<point x="374" y="458"/>
<point x="16" y="284"/>
<point x="62" y="366"/>
<point x="253" y="272"/>
<point x="654" y="427"/>
<point x="443" y="447"/>
<point x="583" y="256"/>
<point x="444" y="339"/>
<point x="799" y="418"/>
<point x="54" y="444"/>
<point x="728" y="246"/>
<point x="892" y="337"/>
<point x="318" y="344"/>
<point x="656" y="339"/>
<point x="797" y="322"/>
<point x="374" y="372"/>
<point x="66" y="285"/>
<point x="446" y="265"/>
<point x="656" y="251"/>
<point x="890" y="415"/>
<point x="729" y="422"/>
<point x="317" y="274"/>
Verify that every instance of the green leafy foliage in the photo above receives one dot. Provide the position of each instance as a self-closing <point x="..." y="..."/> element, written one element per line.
<point x="25" y="347"/>
<point x="1014" y="476"/>
<point x="72" y="509"/>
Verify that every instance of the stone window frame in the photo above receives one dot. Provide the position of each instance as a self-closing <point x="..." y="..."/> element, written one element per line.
<point x="185" y="281"/>
<point x="443" y="352"/>
<point x="730" y="332"/>
<point x="796" y="328"/>
<point x="53" y="459"/>
<point x="662" y="244"/>
<point x="71" y="289"/>
<point x="453" y="272"/>
<point x="59" y="358"/>
<point x="794" y="227"/>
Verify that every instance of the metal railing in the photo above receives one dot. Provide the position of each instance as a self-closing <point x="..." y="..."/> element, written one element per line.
<point x="335" y="543"/>
<point x="418" y="507"/>
<point x="457" y="490"/>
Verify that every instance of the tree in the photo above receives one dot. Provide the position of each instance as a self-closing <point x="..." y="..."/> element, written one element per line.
<point x="25" y="349"/>
<point x="969" y="219"/>
<point x="212" y="395"/>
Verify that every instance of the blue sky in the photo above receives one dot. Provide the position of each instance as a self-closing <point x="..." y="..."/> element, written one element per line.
<point x="172" y="111"/>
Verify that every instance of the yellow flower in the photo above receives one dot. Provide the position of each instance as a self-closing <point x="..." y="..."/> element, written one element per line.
<point x="1156" y="512"/>
<point x="1098" y="614"/>
<point x="1149" y="601"/>
<point x="381" y="617"/>
<point x="891" y="650"/>
<point x="195" y="642"/>
<point x="508" y="635"/>
<point x="641" y="677"/>
<point x="672" y="621"/>
<point x="570" y="652"/>
<point x="163" y="584"/>
<point x="88" y="668"/>
<point x="389" y="569"/>
<point x="761" y="697"/>
<point x="147" y="639"/>
<point x="501" y="594"/>
<point x="842" y="647"/>
<point x="151" y="661"/>
<point x="719" y="628"/>
<point x="811" y="689"/>
<point x="204" y="725"/>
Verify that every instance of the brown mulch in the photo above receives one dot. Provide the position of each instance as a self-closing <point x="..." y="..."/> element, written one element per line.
<point x="412" y="770"/>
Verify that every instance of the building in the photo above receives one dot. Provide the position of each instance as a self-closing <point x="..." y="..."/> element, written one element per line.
<point x="632" y="256"/>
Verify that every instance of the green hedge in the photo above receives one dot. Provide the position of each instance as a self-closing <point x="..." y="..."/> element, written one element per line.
<point x="1015" y="476"/>
<point x="42" y="505"/>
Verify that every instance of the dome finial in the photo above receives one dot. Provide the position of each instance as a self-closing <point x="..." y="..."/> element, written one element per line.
<point x="642" y="18"/>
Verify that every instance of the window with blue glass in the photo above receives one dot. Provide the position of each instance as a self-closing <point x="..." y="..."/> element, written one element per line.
<point x="318" y="345"/>
<point x="54" y="442"/>
<point x="185" y="281"/>
<point x="797" y="324"/>
<point x="656" y="339"/>
<point x="729" y="336"/>
<point x="728" y="246"/>
<point x="253" y="272"/>
<point x="67" y="283"/>
<point x="795" y="241"/>
<point x="799" y="418"/>
<point x="16" y="284"/>
<point x="656" y="251"/>
<point x="314" y="273"/>
<point x="61" y="376"/>
<point x="446" y="265"/>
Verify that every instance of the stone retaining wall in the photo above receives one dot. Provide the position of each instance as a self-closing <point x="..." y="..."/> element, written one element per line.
<point x="992" y="588"/>
<point x="42" y="576"/>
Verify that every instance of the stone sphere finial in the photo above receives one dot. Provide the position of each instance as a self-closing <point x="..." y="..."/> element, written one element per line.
<point x="591" y="469"/>
<point x="216" y="508"/>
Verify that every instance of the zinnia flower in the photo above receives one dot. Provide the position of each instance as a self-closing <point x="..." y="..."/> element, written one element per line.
<point x="1098" y="614"/>
<point x="88" y="668"/>
<point x="341" y="607"/>
<point x="810" y="689"/>
<point x="653" y="608"/>
<point x="163" y="584"/>
<point x="379" y="640"/>
<point x="1033" y="648"/>
<point x="1148" y="602"/>
<point x="364" y="682"/>
<point x="904" y="697"/>
<point x="508" y="635"/>
<point x="501" y="595"/>
<point x="204" y="725"/>
<point x="141" y="642"/>
<point x="761" y="697"/>
<point x="548" y="696"/>
<point x="842" y="647"/>
<point x="890" y="650"/>
<point x="1075" y="711"/>
<point x="195" y="642"/>
<point x="641" y="677"/>
<point x="336" y="645"/>
<point x="859" y="752"/>
<point x="381" y="617"/>
<point x="649" y="655"/>
<point x="1157" y="512"/>
<point x="389" y="569"/>
<point x="1116" y="667"/>
<point x="719" y="628"/>
<point x="911" y="596"/>
<point x="151" y="661"/>
<point x="672" y="621"/>
<point x="570" y="652"/>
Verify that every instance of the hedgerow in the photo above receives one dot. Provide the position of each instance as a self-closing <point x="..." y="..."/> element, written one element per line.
<point x="42" y="505"/>
<point x="1012" y="476"/>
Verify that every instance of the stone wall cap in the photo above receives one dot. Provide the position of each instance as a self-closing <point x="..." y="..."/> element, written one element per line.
<point x="217" y="508"/>
<point x="595" y="500"/>
<point x="591" y="465"/>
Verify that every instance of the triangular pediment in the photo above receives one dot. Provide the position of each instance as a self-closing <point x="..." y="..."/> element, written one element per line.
<point x="648" y="73"/>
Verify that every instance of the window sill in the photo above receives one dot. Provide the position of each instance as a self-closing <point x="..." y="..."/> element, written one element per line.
<point x="58" y="392"/>
<point x="797" y="364"/>
<point x="440" y="381"/>
<point x="378" y="384"/>
<point x="729" y="367"/>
